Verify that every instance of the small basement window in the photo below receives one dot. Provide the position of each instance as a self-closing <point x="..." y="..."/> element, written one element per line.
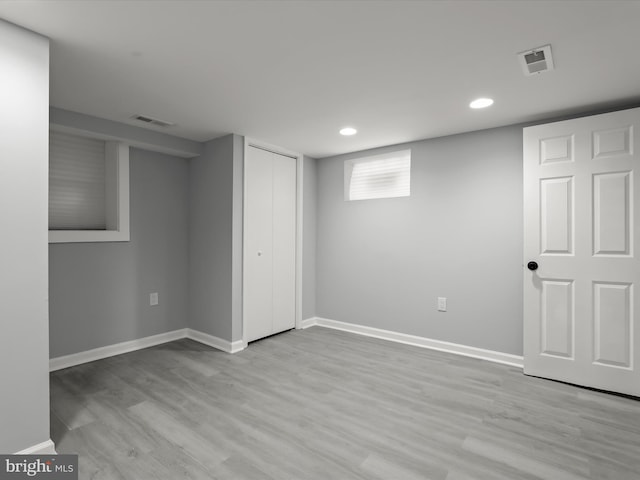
<point x="387" y="175"/>
<point x="88" y="189"/>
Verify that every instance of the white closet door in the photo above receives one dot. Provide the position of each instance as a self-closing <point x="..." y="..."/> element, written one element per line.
<point x="269" y="243"/>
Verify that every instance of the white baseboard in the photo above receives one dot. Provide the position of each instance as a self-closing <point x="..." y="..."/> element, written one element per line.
<point x="467" y="351"/>
<point x="308" y="322"/>
<point x="237" y="346"/>
<point x="66" y="361"/>
<point x="216" y="342"/>
<point x="44" y="448"/>
<point x="74" y="359"/>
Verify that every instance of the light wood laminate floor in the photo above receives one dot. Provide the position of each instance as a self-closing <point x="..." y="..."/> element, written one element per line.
<point x="324" y="404"/>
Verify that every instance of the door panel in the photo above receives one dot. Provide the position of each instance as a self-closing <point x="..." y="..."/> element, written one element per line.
<point x="284" y="245"/>
<point x="554" y="150"/>
<point x="612" y="316"/>
<point x="611" y="212"/>
<point x="556" y="210"/>
<point x="557" y="318"/>
<point x="581" y="211"/>
<point x="258" y="245"/>
<point x="612" y="143"/>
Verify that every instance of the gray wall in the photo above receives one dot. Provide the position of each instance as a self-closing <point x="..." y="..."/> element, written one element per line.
<point x="24" y="327"/>
<point x="186" y="244"/>
<point x="211" y="239"/>
<point x="383" y="263"/>
<point x="309" y="205"/>
<point x="99" y="292"/>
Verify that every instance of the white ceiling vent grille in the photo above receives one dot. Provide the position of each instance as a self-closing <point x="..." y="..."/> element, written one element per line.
<point x="152" y="121"/>
<point x="537" y="60"/>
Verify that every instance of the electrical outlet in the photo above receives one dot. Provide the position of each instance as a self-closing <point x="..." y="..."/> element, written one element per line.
<point x="442" y="304"/>
<point x="153" y="299"/>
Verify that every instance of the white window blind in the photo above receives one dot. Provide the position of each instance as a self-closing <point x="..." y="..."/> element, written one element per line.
<point x="76" y="182"/>
<point x="380" y="176"/>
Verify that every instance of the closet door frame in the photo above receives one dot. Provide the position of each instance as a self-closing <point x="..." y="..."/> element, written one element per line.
<point x="251" y="142"/>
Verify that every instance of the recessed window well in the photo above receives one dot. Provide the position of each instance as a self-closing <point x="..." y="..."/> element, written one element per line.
<point x="380" y="176"/>
<point x="88" y="188"/>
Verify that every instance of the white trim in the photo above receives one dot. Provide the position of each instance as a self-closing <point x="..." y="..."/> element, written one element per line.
<point x="467" y="351"/>
<point x="308" y="322"/>
<point x="299" y="236"/>
<point x="87" y="356"/>
<point x="44" y="448"/>
<point x="250" y="142"/>
<point x="66" y="361"/>
<point x="215" y="342"/>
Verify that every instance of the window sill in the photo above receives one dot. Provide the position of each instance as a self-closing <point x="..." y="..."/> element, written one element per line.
<point x="81" y="236"/>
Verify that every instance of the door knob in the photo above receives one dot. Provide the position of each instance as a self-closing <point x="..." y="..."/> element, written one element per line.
<point x="532" y="266"/>
<point x="259" y="253"/>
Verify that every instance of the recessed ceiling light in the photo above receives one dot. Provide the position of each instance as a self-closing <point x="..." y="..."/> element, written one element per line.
<point x="348" y="131"/>
<point x="481" y="103"/>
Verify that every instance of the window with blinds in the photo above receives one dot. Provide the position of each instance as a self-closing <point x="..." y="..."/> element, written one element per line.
<point x="77" y="182"/>
<point x="380" y="176"/>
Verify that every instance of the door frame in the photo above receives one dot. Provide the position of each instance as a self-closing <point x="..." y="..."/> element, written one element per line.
<point x="252" y="142"/>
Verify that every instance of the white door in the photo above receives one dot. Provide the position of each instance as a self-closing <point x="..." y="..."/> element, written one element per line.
<point x="269" y="301"/>
<point x="581" y="216"/>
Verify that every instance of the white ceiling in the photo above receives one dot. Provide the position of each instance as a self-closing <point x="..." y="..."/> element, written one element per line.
<point x="292" y="73"/>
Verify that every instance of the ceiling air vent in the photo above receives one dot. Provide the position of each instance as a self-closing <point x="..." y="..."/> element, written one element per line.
<point x="537" y="60"/>
<point x="152" y="121"/>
